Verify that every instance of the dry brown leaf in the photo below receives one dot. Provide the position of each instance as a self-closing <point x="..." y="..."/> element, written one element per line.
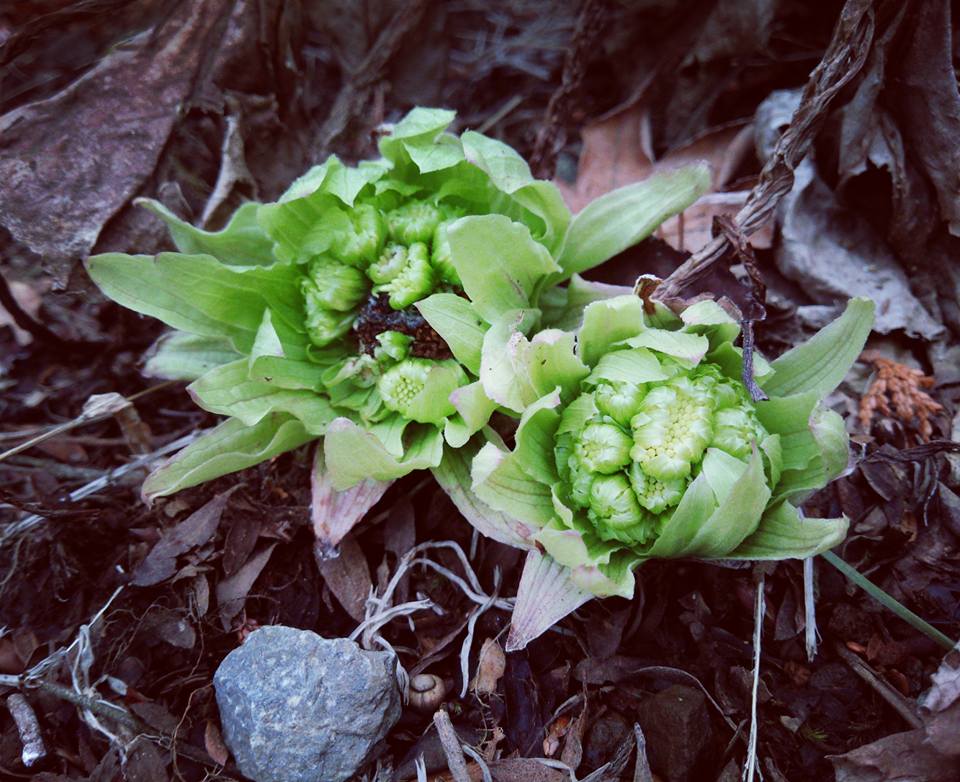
<point x="198" y="528"/>
<point x="214" y="744"/>
<point x="348" y="577"/>
<point x="490" y="668"/>
<point x="616" y="152"/>
<point x="232" y="592"/>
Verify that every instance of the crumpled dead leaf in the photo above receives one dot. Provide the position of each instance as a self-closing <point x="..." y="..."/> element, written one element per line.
<point x="232" y="592"/>
<point x="834" y="253"/>
<point x="71" y="162"/>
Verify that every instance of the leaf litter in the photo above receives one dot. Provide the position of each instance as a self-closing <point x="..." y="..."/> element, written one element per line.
<point x="200" y="570"/>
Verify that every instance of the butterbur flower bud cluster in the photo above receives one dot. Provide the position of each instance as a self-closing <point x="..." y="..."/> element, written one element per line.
<point x="356" y="306"/>
<point x="401" y="252"/>
<point x="648" y="445"/>
<point x="630" y="462"/>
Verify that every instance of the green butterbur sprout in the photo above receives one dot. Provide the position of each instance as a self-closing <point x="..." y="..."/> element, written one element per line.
<point x="355" y="308"/>
<point x="672" y="428"/>
<point x="613" y="503"/>
<point x="653" y="494"/>
<point x="620" y="401"/>
<point x="400" y="384"/>
<point x="393" y="346"/>
<point x="649" y="446"/>
<point x="603" y="448"/>
<point x="389" y="265"/>
<point x="323" y="325"/>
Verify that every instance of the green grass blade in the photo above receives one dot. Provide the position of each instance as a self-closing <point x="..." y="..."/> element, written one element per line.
<point x="887" y="601"/>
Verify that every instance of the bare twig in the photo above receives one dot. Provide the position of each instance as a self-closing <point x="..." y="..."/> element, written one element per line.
<point x="451" y="746"/>
<point x="12" y="530"/>
<point x="842" y="61"/>
<point x="884" y="690"/>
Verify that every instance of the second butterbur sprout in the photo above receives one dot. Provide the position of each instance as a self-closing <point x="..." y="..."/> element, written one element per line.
<point x="634" y="458"/>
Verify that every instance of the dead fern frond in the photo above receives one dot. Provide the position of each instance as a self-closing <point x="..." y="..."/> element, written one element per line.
<point x="897" y="392"/>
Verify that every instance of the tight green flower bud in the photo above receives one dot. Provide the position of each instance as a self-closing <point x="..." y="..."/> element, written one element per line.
<point x="401" y="385"/>
<point x="393" y="345"/>
<point x="389" y="265"/>
<point x="334" y="285"/>
<point x="323" y="325"/>
<point x="620" y="401"/>
<point x="672" y="429"/>
<point x="580" y="480"/>
<point x="361" y="242"/>
<point x="414" y="282"/>
<point x="613" y="503"/>
<point x="415" y="221"/>
<point x="655" y="495"/>
<point x="603" y="448"/>
<point x="441" y="257"/>
<point x="734" y="430"/>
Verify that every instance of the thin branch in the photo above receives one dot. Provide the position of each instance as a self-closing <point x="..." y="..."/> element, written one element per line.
<point x="842" y="61"/>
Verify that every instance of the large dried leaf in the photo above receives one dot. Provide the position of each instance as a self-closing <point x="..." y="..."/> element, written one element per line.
<point x="73" y="161"/>
<point x="348" y="576"/>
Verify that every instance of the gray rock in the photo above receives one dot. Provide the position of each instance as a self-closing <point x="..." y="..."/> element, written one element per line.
<point x="677" y="726"/>
<point x="296" y="707"/>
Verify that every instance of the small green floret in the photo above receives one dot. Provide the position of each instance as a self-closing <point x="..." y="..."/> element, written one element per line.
<point x="324" y="325"/>
<point x="335" y="285"/>
<point x="654" y="495"/>
<point x="399" y="385"/>
<point x="415" y="221"/>
<point x="673" y="428"/>
<point x="415" y="280"/>
<point x="613" y="503"/>
<point x="360" y="244"/>
<point x="603" y="448"/>
<point x="393" y="345"/>
<point x="389" y="264"/>
<point x="620" y="401"/>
